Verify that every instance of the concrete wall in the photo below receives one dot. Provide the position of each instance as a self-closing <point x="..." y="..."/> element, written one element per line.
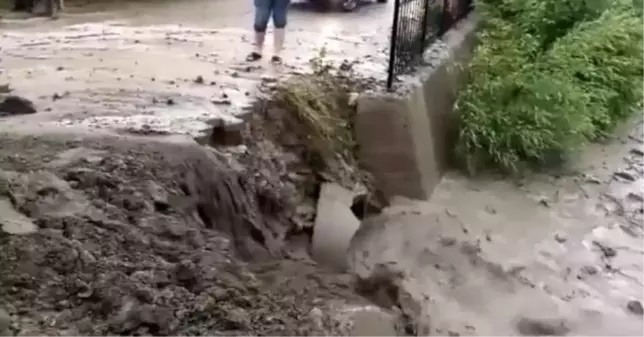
<point x="406" y="136"/>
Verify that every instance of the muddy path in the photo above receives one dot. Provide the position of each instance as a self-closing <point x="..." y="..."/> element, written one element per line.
<point x="166" y="68"/>
<point x="115" y="236"/>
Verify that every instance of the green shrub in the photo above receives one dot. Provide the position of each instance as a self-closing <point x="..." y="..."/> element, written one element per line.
<point x="547" y="77"/>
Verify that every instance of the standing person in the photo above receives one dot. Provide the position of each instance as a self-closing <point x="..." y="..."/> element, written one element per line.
<point x="264" y="9"/>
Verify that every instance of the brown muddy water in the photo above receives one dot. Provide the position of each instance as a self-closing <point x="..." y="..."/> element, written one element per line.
<point x="557" y="254"/>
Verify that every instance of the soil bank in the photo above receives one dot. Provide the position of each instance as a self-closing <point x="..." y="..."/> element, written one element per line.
<point x="146" y="238"/>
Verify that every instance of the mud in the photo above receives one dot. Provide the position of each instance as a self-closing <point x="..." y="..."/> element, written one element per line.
<point x="154" y="239"/>
<point x="555" y="254"/>
<point x="151" y="234"/>
<point x="141" y="69"/>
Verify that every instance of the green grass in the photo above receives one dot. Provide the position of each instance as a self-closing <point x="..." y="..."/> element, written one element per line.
<point x="548" y="77"/>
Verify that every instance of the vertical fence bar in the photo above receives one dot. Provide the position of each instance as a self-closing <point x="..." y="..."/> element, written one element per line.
<point x="424" y="33"/>
<point x="445" y="19"/>
<point x="392" y="47"/>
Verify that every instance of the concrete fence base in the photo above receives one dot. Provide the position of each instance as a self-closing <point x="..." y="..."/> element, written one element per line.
<point x="406" y="136"/>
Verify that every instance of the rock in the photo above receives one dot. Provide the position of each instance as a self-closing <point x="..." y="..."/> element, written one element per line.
<point x="335" y="225"/>
<point x="542" y="327"/>
<point x="624" y="175"/>
<point x="592" y="180"/>
<point x="158" y="195"/>
<point x="561" y="238"/>
<point x="16" y="105"/>
<point x="637" y="152"/>
<point x="221" y="101"/>
<point x="635" y="307"/>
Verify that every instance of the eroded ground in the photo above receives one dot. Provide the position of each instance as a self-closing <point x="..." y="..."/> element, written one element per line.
<point x="144" y="238"/>
<point x="109" y="228"/>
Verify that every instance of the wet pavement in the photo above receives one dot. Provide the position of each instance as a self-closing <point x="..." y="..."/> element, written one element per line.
<point x="168" y="68"/>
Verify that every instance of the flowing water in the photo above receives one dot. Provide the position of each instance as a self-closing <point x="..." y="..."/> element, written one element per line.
<point x="564" y="247"/>
<point x="560" y="253"/>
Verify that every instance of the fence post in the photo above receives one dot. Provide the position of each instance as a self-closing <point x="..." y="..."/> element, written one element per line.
<point x="392" y="46"/>
<point x="445" y="21"/>
<point x="424" y="40"/>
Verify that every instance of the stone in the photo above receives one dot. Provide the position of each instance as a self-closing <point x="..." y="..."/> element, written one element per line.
<point x="635" y="307"/>
<point x="542" y="327"/>
<point x="624" y="175"/>
<point x="335" y="225"/>
<point x="561" y="238"/>
<point x="637" y="152"/>
<point x="16" y="105"/>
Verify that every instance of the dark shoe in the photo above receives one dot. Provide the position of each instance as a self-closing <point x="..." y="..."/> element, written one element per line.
<point x="254" y="56"/>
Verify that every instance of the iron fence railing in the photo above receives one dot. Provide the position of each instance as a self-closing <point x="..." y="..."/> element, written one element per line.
<point x="416" y="25"/>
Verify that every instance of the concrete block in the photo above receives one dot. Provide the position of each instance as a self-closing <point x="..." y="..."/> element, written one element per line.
<point x="335" y="225"/>
<point x="406" y="137"/>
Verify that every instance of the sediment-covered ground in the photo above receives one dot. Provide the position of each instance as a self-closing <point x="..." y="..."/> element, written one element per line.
<point x="129" y="238"/>
<point x="152" y="234"/>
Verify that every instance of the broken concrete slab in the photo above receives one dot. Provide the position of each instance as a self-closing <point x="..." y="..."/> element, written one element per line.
<point x="335" y="225"/>
<point x="12" y="221"/>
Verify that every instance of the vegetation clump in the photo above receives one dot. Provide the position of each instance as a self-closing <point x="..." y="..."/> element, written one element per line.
<point x="319" y="109"/>
<point x="547" y="77"/>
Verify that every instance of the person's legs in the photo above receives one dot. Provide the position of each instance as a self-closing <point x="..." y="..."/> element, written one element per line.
<point x="280" y="11"/>
<point x="263" y="9"/>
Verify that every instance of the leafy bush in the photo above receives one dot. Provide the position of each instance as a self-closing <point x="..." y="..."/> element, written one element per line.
<point x="547" y="77"/>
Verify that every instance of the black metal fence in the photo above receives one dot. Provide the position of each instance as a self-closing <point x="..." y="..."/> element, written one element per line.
<point x="417" y="24"/>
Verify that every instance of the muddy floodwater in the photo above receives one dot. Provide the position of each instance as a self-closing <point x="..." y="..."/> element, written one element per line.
<point x="556" y="254"/>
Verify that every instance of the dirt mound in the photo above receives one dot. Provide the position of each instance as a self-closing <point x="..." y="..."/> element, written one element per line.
<point x="145" y="239"/>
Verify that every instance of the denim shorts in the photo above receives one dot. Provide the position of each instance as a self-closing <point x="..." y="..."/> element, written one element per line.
<point x="264" y="9"/>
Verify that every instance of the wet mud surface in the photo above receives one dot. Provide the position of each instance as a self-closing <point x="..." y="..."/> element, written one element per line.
<point x="148" y="239"/>
<point x="558" y="254"/>
<point x="149" y="234"/>
<point x="168" y="68"/>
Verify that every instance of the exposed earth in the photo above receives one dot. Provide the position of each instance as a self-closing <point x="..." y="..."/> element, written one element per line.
<point x="146" y="239"/>
<point x="114" y="221"/>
